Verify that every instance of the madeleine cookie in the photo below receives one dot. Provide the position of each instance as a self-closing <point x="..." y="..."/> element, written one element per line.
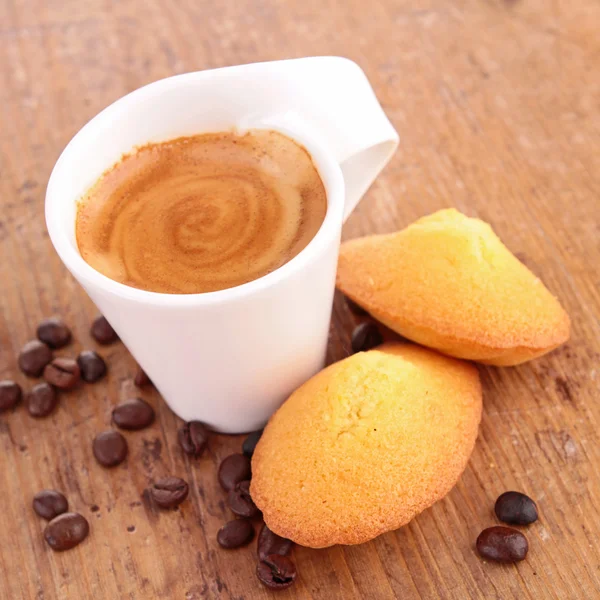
<point x="448" y="282"/>
<point x="366" y="444"/>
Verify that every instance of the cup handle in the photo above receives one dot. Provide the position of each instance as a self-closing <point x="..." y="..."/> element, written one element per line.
<point x="331" y="99"/>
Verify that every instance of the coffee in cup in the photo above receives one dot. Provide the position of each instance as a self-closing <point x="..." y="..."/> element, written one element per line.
<point x="202" y="213"/>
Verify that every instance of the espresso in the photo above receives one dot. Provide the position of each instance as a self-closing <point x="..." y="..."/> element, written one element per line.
<point x="202" y="213"/>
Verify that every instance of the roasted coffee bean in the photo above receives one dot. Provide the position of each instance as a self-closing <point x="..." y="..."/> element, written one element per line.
<point x="133" y="414"/>
<point x="276" y="572"/>
<point x="110" y="448"/>
<point x="359" y="311"/>
<point x="66" y="531"/>
<point x="366" y="336"/>
<point x="250" y="443"/>
<point x="240" y="501"/>
<point x="10" y="394"/>
<point x="41" y="400"/>
<point x="49" y="504"/>
<point x="193" y="437"/>
<point x="169" y="492"/>
<point x="271" y="543"/>
<point x="236" y="533"/>
<point x="103" y="332"/>
<point x="141" y="379"/>
<point x="233" y="469"/>
<point x="54" y="333"/>
<point x="92" y="366"/>
<point x="516" y="508"/>
<point x="62" y="373"/>
<point x="34" y="356"/>
<point x="502" y="544"/>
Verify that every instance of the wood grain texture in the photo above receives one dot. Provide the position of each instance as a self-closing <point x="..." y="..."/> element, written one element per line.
<point x="497" y="105"/>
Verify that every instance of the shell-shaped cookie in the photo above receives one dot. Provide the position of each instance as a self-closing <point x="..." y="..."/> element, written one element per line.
<point x="366" y="444"/>
<point x="448" y="282"/>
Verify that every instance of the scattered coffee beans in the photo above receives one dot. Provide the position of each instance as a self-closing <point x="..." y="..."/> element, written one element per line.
<point x="276" y="572"/>
<point x="169" y="492"/>
<point x="240" y="501"/>
<point x="10" y="394"/>
<point x="41" y="400"/>
<point x="233" y="469"/>
<point x="193" y="438"/>
<point x="133" y="414"/>
<point x="250" y="443"/>
<point x="66" y="531"/>
<point x="141" y="379"/>
<point x="236" y="533"/>
<point x="271" y="543"/>
<point x="102" y="331"/>
<point x="502" y="544"/>
<point x="359" y="311"/>
<point x="49" y="504"/>
<point x="516" y="508"/>
<point x="34" y="356"/>
<point x="54" y="333"/>
<point x="366" y="336"/>
<point x="92" y="366"/>
<point x="62" y="373"/>
<point x="110" y="448"/>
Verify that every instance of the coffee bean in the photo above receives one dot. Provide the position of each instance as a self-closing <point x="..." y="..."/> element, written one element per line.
<point x="141" y="379"/>
<point x="92" y="366"/>
<point x="366" y="336"/>
<point x="54" y="333"/>
<point x="271" y="543"/>
<point x="250" y="443"/>
<point x="103" y="332"/>
<point x="62" y="373"/>
<point x="49" y="504"/>
<point x="10" y="394"/>
<point x="34" y="356"/>
<point x="502" y="544"/>
<point x="133" y="414"/>
<point x="169" y="492"/>
<point x="240" y="501"/>
<point x="233" y="469"/>
<point x="516" y="508"/>
<point x="41" y="400"/>
<point x="276" y="572"/>
<point x="193" y="437"/>
<point x="110" y="448"/>
<point x="66" y="531"/>
<point x="359" y="311"/>
<point x="236" y="533"/>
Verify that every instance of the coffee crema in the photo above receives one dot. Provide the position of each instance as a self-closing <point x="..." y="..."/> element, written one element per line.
<point x="202" y="213"/>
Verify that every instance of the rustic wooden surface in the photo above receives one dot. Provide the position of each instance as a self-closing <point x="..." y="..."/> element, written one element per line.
<point x="497" y="104"/>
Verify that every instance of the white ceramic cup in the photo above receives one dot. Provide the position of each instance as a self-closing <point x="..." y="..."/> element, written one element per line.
<point x="230" y="358"/>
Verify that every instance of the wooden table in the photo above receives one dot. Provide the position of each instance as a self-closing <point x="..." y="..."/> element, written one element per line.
<point x="497" y="104"/>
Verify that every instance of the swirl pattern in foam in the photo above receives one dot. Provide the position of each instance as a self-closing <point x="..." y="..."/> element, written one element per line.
<point x="202" y="213"/>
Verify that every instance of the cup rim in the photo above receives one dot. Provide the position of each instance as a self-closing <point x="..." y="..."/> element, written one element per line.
<point x="327" y="167"/>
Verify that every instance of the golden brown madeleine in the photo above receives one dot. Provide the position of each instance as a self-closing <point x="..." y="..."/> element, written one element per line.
<point x="366" y="444"/>
<point x="448" y="282"/>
